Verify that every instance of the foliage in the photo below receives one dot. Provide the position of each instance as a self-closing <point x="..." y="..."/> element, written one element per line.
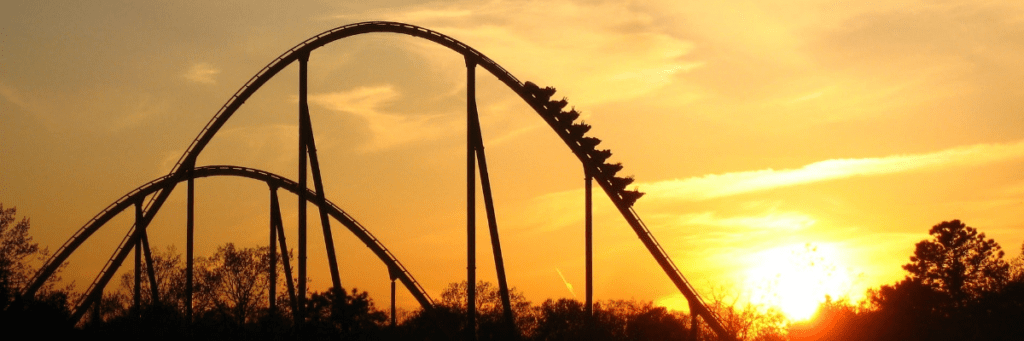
<point x="489" y="310"/>
<point x="959" y="263"/>
<point x="335" y="314"/>
<point x="169" y="271"/>
<point x="44" y="313"/>
<point x="233" y="282"/>
<point x="958" y="287"/>
<point x="744" y="321"/>
<point x="16" y="249"/>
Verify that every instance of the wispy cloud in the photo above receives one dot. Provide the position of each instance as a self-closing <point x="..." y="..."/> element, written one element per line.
<point x="13" y="96"/>
<point x="146" y="107"/>
<point x="775" y="221"/>
<point x="721" y="185"/>
<point x="602" y="52"/>
<point x="567" y="284"/>
<point x="203" y="73"/>
<point x="388" y="130"/>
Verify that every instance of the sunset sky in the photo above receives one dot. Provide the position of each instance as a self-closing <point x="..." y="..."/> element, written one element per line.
<point x="788" y="150"/>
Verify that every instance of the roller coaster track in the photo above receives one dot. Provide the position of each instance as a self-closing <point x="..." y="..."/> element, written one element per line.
<point x="274" y="181"/>
<point x="551" y="111"/>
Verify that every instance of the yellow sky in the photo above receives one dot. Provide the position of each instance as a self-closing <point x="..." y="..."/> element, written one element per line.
<point x="765" y="134"/>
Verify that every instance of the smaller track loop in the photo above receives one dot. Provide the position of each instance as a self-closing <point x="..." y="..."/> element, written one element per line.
<point x="393" y="264"/>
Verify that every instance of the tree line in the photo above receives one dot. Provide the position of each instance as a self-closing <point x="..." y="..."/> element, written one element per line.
<point x="958" y="287"/>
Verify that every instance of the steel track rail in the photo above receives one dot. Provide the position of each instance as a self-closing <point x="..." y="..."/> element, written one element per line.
<point x="304" y="48"/>
<point x="270" y="179"/>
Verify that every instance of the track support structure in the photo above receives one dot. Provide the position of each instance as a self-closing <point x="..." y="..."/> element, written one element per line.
<point x="272" y="268"/>
<point x="470" y="202"/>
<point x="303" y="110"/>
<point x="476" y="155"/>
<point x="278" y="225"/>
<point x="588" y="232"/>
<point x="307" y="150"/>
<point x="189" y="244"/>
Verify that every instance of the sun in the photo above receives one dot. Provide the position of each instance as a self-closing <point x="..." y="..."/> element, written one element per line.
<point x="796" y="278"/>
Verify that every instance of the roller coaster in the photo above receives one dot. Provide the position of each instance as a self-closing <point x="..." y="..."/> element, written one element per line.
<point x="150" y="197"/>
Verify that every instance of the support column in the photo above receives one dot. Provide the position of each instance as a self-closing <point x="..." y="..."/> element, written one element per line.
<point x="325" y="222"/>
<point x="694" y="326"/>
<point x="140" y="228"/>
<point x="97" y="315"/>
<point x="393" y="274"/>
<point x="150" y="270"/>
<point x="470" y="203"/>
<point x="118" y="259"/>
<point x="301" y="297"/>
<point x="190" y="228"/>
<point x="138" y="278"/>
<point x="589" y="243"/>
<point x="492" y="222"/>
<point x="272" y="274"/>
<point x="279" y="225"/>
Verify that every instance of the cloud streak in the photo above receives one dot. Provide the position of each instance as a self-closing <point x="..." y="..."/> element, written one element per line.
<point x="774" y="221"/>
<point x="623" y="55"/>
<point x="567" y="284"/>
<point x="388" y="130"/>
<point x="202" y="73"/>
<point x="721" y="185"/>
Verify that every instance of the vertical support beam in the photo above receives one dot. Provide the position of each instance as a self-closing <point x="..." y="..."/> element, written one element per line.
<point x="140" y="227"/>
<point x="279" y="225"/>
<point x="394" y="319"/>
<point x="694" y="324"/>
<point x="115" y="263"/>
<point x="138" y="278"/>
<point x="97" y="315"/>
<point x="394" y="275"/>
<point x="589" y="242"/>
<point x="492" y="223"/>
<point x="190" y="236"/>
<point x="470" y="203"/>
<point x="325" y="222"/>
<point x="301" y="299"/>
<point x="272" y="267"/>
<point x="150" y="270"/>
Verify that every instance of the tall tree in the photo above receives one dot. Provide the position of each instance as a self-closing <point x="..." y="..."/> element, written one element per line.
<point x="44" y="314"/>
<point x="234" y="281"/>
<point x="958" y="262"/>
<point x="16" y="249"/>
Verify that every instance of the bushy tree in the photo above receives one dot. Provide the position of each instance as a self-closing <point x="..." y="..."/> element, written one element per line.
<point x="233" y="282"/>
<point x="490" y="322"/>
<point x="16" y="250"/>
<point x="959" y="263"/>
<point x="958" y="287"/>
<point x="744" y="320"/>
<point x="46" y="312"/>
<point x="170" y="278"/>
<point x="336" y="314"/>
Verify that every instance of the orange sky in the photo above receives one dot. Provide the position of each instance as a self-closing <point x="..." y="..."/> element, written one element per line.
<point x="769" y="137"/>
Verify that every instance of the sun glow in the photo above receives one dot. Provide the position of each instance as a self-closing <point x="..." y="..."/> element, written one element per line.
<point x="796" y="278"/>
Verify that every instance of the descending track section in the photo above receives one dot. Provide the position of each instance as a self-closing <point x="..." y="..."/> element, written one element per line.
<point x="572" y="133"/>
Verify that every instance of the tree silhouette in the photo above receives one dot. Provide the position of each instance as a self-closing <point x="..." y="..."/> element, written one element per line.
<point x="335" y="314"/>
<point x="959" y="263"/>
<point x="233" y="282"/>
<point x="958" y="287"/>
<point x="170" y="277"/>
<point x="490" y="322"/>
<point x="16" y="249"/>
<point x="46" y="312"/>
